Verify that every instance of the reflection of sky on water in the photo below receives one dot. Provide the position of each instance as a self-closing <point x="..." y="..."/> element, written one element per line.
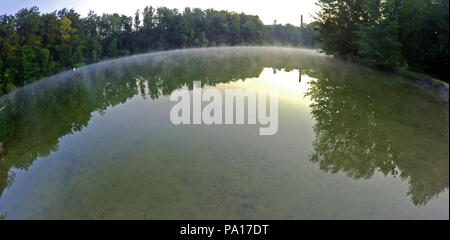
<point x="288" y="84"/>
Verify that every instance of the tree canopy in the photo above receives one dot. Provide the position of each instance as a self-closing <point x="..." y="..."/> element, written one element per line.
<point x="387" y="34"/>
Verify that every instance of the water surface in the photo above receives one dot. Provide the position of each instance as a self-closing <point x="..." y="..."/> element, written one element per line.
<point x="97" y="143"/>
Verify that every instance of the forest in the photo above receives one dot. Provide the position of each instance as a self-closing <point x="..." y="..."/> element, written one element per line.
<point x="35" y="45"/>
<point x="409" y="35"/>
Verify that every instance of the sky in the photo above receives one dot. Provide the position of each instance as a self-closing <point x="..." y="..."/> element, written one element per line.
<point x="284" y="11"/>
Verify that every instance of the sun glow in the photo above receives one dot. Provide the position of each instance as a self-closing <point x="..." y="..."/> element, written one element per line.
<point x="291" y="85"/>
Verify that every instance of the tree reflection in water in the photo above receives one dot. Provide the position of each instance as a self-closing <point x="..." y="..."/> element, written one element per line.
<point x="362" y="128"/>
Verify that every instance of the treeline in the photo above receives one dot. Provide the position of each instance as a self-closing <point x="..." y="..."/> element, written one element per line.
<point x="388" y="34"/>
<point x="34" y="45"/>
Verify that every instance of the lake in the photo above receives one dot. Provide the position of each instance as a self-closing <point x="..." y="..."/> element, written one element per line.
<point x="97" y="142"/>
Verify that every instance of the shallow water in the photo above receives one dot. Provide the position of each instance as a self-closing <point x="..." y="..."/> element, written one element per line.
<point x="97" y="143"/>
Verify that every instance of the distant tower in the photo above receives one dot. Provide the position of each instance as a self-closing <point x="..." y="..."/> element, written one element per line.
<point x="301" y="20"/>
<point x="299" y="75"/>
<point x="274" y="22"/>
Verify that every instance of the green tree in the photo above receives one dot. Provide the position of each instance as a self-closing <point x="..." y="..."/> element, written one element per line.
<point x="338" y="22"/>
<point x="378" y="43"/>
<point x="389" y="34"/>
<point x="424" y="34"/>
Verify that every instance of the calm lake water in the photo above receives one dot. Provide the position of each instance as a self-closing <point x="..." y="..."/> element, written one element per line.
<point x="97" y="143"/>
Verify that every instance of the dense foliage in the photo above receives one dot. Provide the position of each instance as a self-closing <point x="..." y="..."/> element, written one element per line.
<point x="389" y="34"/>
<point x="34" y="45"/>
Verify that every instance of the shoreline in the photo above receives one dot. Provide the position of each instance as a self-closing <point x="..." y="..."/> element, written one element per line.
<point x="438" y="87"/>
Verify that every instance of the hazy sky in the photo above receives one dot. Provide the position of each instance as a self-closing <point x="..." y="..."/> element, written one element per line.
<point x="284" y="11"/>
